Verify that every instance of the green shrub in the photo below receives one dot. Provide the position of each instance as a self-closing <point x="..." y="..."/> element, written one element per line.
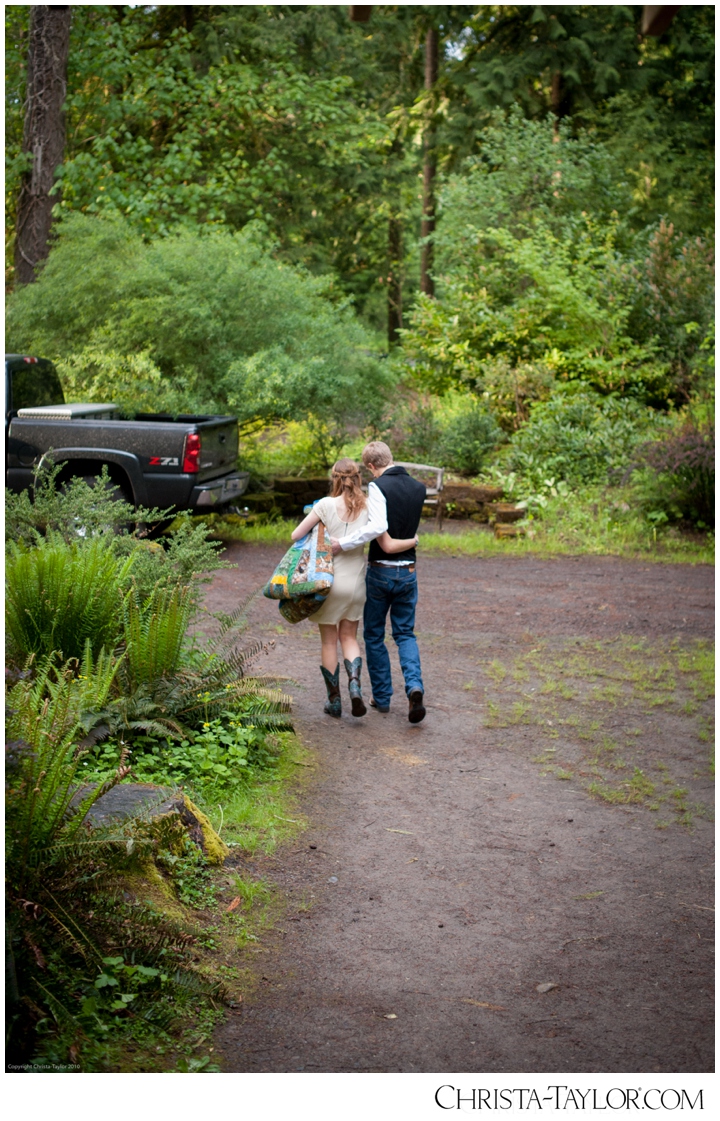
<point x="538" y="268"/>
<point x="45" y="719"/>
<point x="468" y="437"/>
<point x="213" y="319"/>
<point x="61" y="596"/>
<point x="72" y="510"/>
<point x="84" y="965"/>
<point x="676" y="476"/>
<point x="79" y="512"/>
<point x="579" y="436"/>
<point x="213" y="759"/>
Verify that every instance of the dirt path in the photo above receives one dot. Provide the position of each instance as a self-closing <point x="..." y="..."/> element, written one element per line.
<point x="450" y="874"/>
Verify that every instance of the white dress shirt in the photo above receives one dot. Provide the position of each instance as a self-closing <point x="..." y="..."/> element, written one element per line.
<point x="376" y="524"/>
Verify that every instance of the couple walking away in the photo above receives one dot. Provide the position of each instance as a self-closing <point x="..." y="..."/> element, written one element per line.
<point x="388" y="518"/>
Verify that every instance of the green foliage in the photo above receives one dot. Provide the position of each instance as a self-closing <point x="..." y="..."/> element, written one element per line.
<point x="61" y="596"/>
<point x="77" y="512"/>
<point x="190" y="876"/>
<point x="71" y="510"/>
<point x="468" y="436"/>
<point x="88" y="965"/>
<point x="675" y="476"/>
<point x="413" y="429"/>
<point x="579" y="436"/>
<point x="296" y="118"/>
<point x="661" y="126"/>
<point x="182" y="558"/>
<point x="45" y="716"/>
<point x="217" y="320"/>
<point x="154" y="633"/>
<point x="455" y="431"/>
<point x="211" y="761"/>
<point x="539" y="269"/>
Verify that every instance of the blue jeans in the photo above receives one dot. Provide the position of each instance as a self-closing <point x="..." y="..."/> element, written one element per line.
<point x="392" y="589"/>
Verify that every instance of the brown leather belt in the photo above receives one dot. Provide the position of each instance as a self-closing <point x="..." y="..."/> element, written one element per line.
<point x="381" y="564"/>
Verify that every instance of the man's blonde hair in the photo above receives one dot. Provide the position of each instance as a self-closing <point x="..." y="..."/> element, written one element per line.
<point x="377" y="453"/>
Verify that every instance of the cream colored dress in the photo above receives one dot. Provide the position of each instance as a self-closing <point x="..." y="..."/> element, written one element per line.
<point x="347" y="595"/>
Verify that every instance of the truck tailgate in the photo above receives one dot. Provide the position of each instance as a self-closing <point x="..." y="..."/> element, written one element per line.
<point x="219" y="445"/>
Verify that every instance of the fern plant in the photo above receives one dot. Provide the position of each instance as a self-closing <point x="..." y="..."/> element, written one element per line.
<point x="154" y="632"/>
<point x="217" y="678"/>
<point x="60" y="596"/>
<point x="70" y="931"/>
<point x="46" y="713"/>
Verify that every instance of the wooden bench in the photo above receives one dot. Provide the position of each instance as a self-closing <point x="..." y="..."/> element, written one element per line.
<point x="433" y="483"/>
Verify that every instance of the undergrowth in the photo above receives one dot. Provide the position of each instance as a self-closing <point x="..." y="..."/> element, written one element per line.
<point x="119" y="940"/>
<point x="598" y="521"/>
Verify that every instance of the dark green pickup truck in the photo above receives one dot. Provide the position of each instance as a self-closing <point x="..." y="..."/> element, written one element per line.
<point x="185" y="462"/>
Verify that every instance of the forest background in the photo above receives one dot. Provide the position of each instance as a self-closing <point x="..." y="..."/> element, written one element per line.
<point x="484" y="234"/>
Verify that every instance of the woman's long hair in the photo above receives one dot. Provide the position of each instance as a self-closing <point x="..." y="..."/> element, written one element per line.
<point x="346" y="481"/>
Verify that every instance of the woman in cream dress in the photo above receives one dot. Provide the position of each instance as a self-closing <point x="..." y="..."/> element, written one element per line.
<point x="344" y="510"/>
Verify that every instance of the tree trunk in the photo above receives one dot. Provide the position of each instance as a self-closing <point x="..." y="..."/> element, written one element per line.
<point x="43" y="135"/>
<point x="428" y="219"/>
<point x="394" y="288"/>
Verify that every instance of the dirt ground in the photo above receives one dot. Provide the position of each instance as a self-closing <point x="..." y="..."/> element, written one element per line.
<point x="453" y="867"/>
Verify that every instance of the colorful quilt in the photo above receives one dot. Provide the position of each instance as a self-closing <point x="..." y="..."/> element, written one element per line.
<point x="304" y="576"/>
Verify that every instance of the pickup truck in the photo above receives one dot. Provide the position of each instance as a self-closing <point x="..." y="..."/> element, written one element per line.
<point x="185" y="462"/>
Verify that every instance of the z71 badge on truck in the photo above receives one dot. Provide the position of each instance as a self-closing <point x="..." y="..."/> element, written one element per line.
<point x="186" y="462"/>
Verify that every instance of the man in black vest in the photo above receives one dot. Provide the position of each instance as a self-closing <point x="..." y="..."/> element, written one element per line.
<point x="395" y="502"/>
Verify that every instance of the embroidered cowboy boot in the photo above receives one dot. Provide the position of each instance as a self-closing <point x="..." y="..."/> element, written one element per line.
<point x="332" y="684"/>
<point x="353" y="671"/>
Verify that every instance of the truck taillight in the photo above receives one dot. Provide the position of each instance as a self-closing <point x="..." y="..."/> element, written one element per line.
<point x="191" y="457"/>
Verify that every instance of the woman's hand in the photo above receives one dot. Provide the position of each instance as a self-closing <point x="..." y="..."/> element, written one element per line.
<point x="391" y="545"/>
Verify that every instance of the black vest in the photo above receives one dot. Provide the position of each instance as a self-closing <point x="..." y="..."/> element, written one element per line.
<point x="404" y="497"/>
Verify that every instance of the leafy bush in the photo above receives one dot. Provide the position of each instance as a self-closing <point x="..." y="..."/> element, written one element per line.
<point x="538" y="267"/>
<point x="45" y="711"/>
<point x="71" y="510"/>
<point x="468" y="436"/>
<point x="212" y="760"/>
<point x="413" y="428"/>
<point x="677" y="476"/>
<point x="579" y="436"/>
<point x="61" y="596"/>
<point x="212" y="320"/>
<point x="454" y="430"/>
<point x="78" y="512"/>
<point x="84" y="965"/>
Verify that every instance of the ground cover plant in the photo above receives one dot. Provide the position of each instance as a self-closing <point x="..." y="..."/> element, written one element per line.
<point x="109" y="961"/>
<point x="593" y="520"/>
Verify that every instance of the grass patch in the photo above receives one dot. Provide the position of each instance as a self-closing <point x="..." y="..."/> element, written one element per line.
<point x="589" y="523"/>
<point x="595" y="521"/>
<point x="594" y="702"/>
<point x="234" y="528"/>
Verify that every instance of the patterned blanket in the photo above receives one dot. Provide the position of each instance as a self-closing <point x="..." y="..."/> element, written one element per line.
<point x="304" y="576"/>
